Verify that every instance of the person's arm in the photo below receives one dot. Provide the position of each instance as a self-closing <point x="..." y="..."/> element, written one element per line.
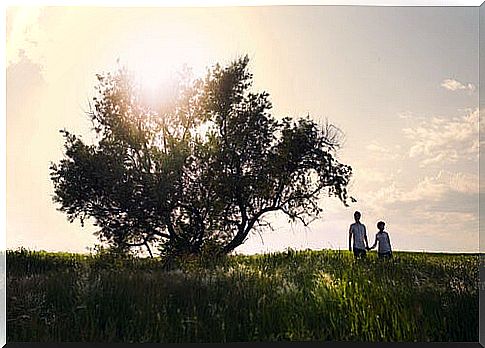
<point x="350" y="238"/>
<point x="389" y="241"/>
<point x="365" y="238"/>
<point x="373" y="245"/>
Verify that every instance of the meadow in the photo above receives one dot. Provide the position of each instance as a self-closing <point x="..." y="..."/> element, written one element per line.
<point x="293" y="295"/>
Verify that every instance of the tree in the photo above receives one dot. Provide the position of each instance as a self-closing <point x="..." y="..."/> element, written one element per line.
<point x="202" y="171"/>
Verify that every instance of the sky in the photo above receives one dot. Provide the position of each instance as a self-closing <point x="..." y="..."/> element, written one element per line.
<point x="401" y="82"/>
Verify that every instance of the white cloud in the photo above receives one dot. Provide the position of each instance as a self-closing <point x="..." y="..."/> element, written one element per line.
<point x="454" y="85"/>
<point x="439" y="140"/>
<point x="458" y="181"/>
<point x="437" y="206"/>
<point x="430" y="188"/>
<point x="383" y="152"/>
<point x="371" y="175"/>
<point x="410" y="115"/>
<point x="426" y="189"/>
<point x="436" y="193"/>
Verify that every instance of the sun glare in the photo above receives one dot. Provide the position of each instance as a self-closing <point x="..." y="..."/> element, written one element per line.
<point x="155" y="77"/>
<point x="156" y="59"/>
<point x="22" y="21"/>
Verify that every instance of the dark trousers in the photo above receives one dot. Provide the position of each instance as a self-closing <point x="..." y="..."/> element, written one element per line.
<point x="359" y="252"/>
<point x="385" y="255"/>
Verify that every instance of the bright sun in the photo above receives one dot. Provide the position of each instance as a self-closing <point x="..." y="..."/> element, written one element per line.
<point x="156" y="59"/>
<point x="155" y="77"/>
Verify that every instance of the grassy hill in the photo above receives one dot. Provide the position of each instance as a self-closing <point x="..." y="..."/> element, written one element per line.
<point x="304" y="295"/>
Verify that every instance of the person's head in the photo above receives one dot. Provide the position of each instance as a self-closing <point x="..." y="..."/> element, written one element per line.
<point x="381" y="225"/>
<point x="357" y="216"/>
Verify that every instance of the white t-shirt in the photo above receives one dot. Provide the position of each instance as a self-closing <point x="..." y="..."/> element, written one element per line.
<point x="358" y="232"/>
<point x="384" y="242"/>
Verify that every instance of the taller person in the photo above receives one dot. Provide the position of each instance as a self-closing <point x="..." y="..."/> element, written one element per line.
<point x="358" y="233"/>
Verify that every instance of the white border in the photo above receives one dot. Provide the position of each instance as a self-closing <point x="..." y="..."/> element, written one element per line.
<point x="150" y="3"/>
<point x="210" y="3"/>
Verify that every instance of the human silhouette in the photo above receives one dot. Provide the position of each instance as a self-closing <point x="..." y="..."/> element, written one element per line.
<point x="358" y="233"/>
<point x="382" y="238"/>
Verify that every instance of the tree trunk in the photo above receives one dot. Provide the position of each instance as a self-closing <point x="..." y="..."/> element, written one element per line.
<point x="235" y="242"/>
<point x="242" y="234"/>
<point x="149" y="250"/>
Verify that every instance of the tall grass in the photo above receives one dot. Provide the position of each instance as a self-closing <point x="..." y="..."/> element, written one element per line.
<point x="304" y="295"/>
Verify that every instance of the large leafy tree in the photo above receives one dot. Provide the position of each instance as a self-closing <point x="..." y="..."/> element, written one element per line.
<point x="202" y="170"/>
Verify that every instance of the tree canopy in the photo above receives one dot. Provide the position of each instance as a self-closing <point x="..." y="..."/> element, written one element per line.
<point x="202" y="170"/>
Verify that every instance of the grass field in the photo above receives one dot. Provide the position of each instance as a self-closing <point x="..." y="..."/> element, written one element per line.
<point x="304" y="295"/>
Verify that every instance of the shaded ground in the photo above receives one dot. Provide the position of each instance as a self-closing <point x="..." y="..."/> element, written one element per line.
<point x="307" y="295"/>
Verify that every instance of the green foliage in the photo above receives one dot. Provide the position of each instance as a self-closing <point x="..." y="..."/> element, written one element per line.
<point x="198" y="173"/>
<point x="293" y="295"/>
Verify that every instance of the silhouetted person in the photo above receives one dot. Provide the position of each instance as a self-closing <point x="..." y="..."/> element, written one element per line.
<point x="382" y="237"/>
<point x="358" y="232"/>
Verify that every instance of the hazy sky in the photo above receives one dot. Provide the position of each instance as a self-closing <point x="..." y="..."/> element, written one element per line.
<point x="402" y="83"/>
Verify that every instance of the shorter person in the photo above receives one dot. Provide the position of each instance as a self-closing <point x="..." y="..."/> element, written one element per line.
<point x="382" y="237"/>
